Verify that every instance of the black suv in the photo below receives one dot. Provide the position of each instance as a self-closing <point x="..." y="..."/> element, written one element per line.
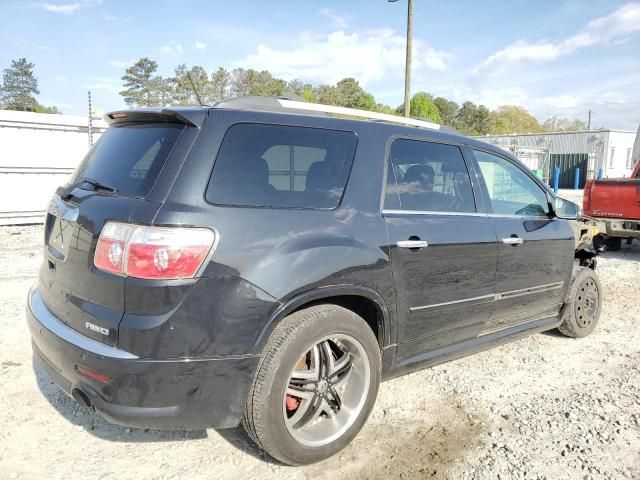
<point x="269" y="262"/>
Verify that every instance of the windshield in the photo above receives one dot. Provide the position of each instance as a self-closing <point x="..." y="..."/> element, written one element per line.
<point x="130" y="157"/>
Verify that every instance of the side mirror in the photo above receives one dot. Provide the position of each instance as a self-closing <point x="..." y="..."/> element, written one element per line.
<point x="565" y="209"/>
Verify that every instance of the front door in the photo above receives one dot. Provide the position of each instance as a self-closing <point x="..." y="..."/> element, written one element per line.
<point x="535" y="250"/>
<point x="443" y="251"/>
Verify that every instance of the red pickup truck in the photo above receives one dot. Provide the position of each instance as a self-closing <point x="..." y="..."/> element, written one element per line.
<point x="615" y="204"/>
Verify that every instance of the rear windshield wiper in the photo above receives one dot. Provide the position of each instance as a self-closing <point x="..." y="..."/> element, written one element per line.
<point x="97" y="185"/>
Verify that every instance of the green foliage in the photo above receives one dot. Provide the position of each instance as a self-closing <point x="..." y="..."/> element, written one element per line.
<point x="555" y="124"/>
<point x="19" y="86"/>
<point x="144" y="87"/>
<point x="448" y="110"/>
<point x="513" y="119"/>
<point x="220" y="84"/>
<point x="422" y="106"/>
<point x="141" y="86"/>
<point x="44" y="109"/>
<point x="473" y="119"/>
<point x="251" y="82"/>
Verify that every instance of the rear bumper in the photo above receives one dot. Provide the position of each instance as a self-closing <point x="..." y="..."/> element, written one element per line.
<point x="619" y="227"/>
<point x="145" y="393"/>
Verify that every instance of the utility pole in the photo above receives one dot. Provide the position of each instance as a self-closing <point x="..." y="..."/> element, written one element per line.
<point x="407" y="72"/>
<point x="589" y="121"/>
<point x="407" y="62"/>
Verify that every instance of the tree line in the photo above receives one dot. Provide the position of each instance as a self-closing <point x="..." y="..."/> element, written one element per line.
<point x="143" y="86"/>
<point x="20" y="87"/>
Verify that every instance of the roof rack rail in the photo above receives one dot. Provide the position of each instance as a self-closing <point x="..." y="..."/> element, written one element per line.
<point x="354" y="112"/>
<point x="301" y="107"/>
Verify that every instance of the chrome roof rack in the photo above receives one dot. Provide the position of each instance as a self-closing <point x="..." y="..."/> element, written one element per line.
<point x="300" y="107"/>
<point x="354" y="112"/>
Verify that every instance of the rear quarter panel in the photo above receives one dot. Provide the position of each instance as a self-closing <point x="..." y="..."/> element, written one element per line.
<point x="285" y="252"/>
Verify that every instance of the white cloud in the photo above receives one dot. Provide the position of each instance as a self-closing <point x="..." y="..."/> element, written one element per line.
<point x="367" y="56"/>
<point x="61" y="78"/>
<point x="114" y="18"/>
<point x="173" y="49"/>
<point x="121" y="63"/>
<point x="615" y="27"/>
<point x="200" y="45"/>
<point x="109" y="84"/>
<point x="337" y="21"/>
<point x="63" y="8"/>
<point x="67" y="8"/>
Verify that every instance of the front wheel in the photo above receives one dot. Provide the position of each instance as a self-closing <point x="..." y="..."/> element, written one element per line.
<point x="584" y="304"/>
<point x="315" y="386"/>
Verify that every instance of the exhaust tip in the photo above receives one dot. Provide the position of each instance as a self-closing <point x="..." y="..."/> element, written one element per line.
<point x="81" y="397"/>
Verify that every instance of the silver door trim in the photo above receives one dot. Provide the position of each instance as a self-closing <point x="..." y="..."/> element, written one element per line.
<point x="494" y="297"/>
<point x="530" y="290"/>
<point x="490" y="297"/>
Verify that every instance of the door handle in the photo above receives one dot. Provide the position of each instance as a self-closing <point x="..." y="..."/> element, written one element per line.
<point x="412" y="244"/>
<point x="513" y="241"/>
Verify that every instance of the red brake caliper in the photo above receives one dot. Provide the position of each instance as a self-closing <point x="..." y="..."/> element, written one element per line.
<point x="292" y="403"/>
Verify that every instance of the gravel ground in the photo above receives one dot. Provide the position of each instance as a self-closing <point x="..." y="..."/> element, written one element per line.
<point x="543" y="407"/>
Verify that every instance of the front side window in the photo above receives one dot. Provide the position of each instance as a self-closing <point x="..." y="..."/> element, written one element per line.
<point x="511" y="191"/>
<point x="281" y="166"/>
<point x="427" y="176"/>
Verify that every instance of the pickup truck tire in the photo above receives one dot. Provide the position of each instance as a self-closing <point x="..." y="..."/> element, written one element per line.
<point x="613" y="244"/>
<point x="583" y="304"/>
<point x="315" y="386"/>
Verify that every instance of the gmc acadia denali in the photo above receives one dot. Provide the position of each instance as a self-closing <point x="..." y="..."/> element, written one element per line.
<point x="268" y="262"/>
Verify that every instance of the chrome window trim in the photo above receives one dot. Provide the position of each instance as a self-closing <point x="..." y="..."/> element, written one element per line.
<point x="494" y="297"/>
<point x="47" y="320"/>
<point x="427" y="212"/>
<point x="462" y="214"/>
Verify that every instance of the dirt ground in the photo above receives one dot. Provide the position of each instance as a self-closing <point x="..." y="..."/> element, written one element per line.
<point x="543" y="407"/>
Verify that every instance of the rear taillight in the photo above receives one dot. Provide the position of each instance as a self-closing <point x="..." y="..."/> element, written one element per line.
<point x="152" y="252"/>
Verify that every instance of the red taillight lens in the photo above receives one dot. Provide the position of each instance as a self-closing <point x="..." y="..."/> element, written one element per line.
<point x="152" y="252"/>
<point x="110" y="251"/>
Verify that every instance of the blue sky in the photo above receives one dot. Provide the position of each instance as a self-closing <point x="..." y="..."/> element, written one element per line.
<point x="552" y="57"/>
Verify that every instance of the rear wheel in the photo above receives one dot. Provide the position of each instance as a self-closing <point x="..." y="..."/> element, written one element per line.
<point x="584" y="305"/>
<point x="315" y="386"/>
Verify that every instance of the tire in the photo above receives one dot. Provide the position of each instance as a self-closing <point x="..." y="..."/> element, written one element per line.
<point x="584" y="304"/>
<point x="613" y="244"/>
<point x="298" y="347"/>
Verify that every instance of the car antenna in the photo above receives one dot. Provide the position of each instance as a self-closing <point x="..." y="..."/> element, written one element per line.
<point x="195" y="90"/>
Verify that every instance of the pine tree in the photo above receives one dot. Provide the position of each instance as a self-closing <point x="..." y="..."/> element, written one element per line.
<point x="19" y="86"/>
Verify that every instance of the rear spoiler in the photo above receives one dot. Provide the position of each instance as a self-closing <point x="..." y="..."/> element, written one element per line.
<point x="191" y="117"/>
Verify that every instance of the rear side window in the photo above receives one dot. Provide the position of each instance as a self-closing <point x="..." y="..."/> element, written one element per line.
<point x="425" y="176"/>
<point x="130" y="157"/>
<point x="281" y="166"/>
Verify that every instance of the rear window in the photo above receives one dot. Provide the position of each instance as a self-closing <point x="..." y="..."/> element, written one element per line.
<point x="130" y="157"/>
<point x="281" y="166"/>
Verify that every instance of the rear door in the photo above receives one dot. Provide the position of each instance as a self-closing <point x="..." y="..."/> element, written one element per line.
<point x="112" y="183"/>
<point x="535" y="250"/>
<point x="443" y="250"/>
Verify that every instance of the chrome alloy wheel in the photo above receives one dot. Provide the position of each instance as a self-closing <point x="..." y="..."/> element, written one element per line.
<point x="327" y="390"/>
